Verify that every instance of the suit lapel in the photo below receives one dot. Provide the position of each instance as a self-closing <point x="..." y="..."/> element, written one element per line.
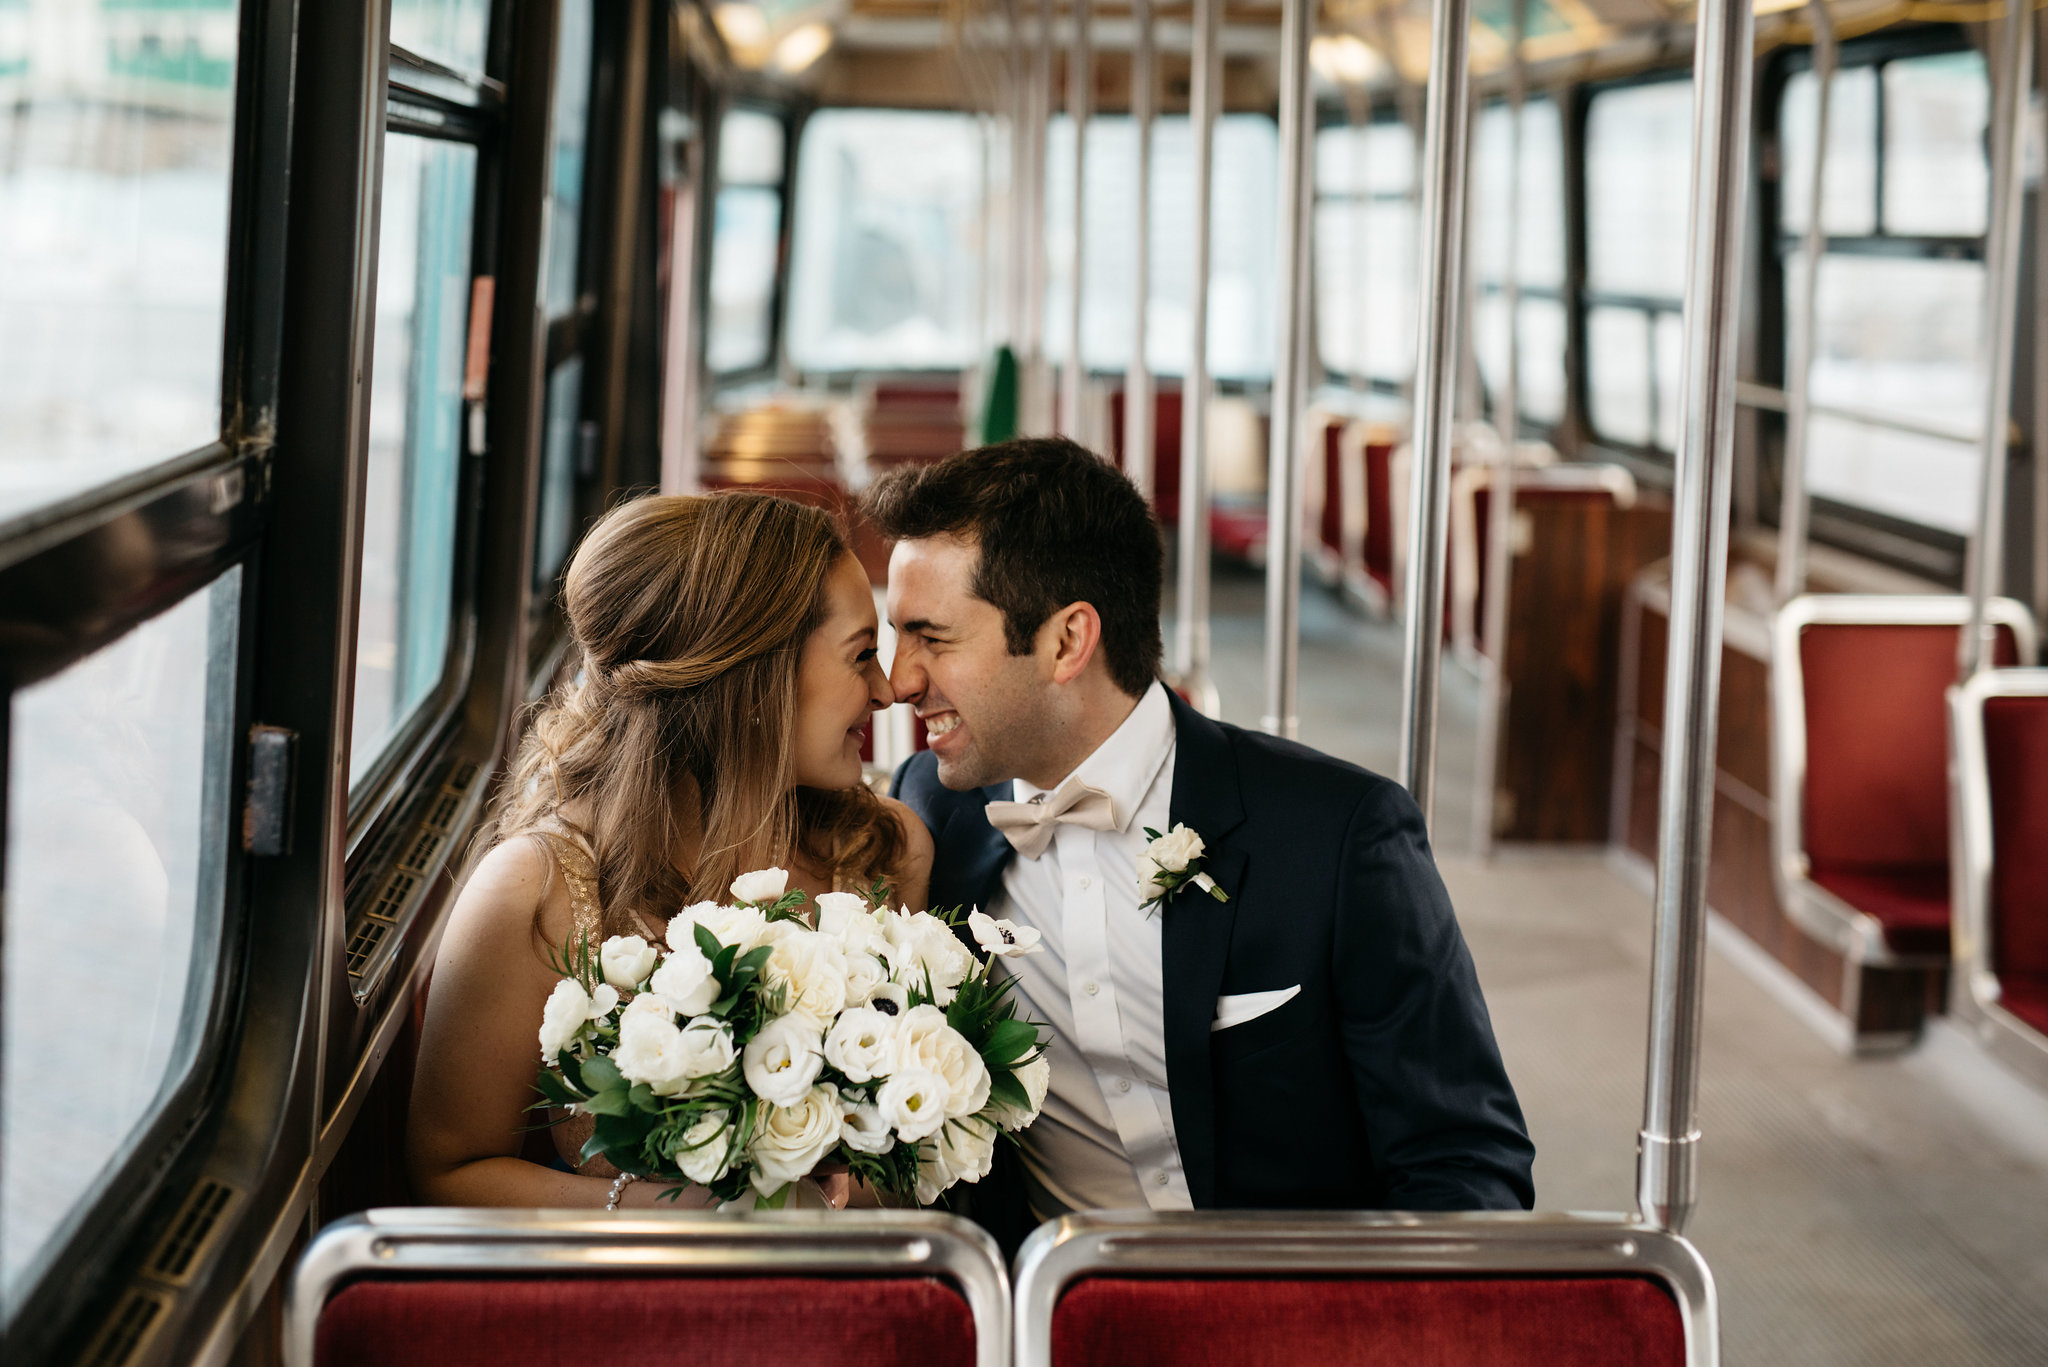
<point x="1196" y="936"/>
<point x="967" y="869"/>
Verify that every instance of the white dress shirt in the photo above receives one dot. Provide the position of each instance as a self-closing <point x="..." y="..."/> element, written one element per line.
<point x="1105" y="1138"/>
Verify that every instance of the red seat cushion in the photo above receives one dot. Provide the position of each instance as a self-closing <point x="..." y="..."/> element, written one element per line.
<point x="1494" y="1322"/>
<point x="1239" y="533"/>
<point x="2016" y="755"/>
<point x="645" y="1321"/>
<point x="1911" y="900"/>
<point x="2026" y="996"/>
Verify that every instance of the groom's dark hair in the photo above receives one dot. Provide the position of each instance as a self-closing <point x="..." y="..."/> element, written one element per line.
<point x="1056" y="524"/>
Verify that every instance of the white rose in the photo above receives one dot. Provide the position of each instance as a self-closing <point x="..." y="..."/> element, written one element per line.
<point x="862" y="1044"/>
<point x="685" y="981"/>
<point x="913" y="1102"/>
<point x="650" y="1050"/>
<point x="1034" y="1076"/>
<point x="705" y="1153"/>
<point x="933" y="1176"/>
<point x="865" y="975"/>
<point x="1175" y="850"/>
<point x="603" y="1001"/>
<point x="923" y="949"/>
<point x="1149" y="885"/>
<point x="1005" y="939"/>
<point x="967" y="1148"/>
<point x="783" y="1059"/>
<point x="647" y="1004"/>
<point x="763" y="887"/>
<point x="863" y="1129"/>
<point x="810" y="966"/>
<point x="740" y="927"/>
<point x="926" y="1042"/>
<point x="707" y="1048"/>
<point x="626" y="961"/>
<point x="563" y="1018"/>
<point x="792" y="1139"/>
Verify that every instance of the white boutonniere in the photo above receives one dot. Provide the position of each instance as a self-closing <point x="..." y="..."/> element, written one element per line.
<point x="1170" y="863"/>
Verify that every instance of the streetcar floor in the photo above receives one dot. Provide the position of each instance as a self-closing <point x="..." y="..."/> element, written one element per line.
<point x="1865" y="1211"/>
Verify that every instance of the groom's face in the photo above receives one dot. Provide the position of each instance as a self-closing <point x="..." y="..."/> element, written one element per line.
<point x="981" y="705"/>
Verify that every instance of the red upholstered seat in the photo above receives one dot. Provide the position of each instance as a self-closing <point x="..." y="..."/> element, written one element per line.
<point x="1393" y="1322"/>
<point x="1911" y="900"/>
<point x="1239" y="532"/>
<point x="2016" y="764"/>
<point x="645" y="1321"/>
<point x="1166" y="422"/>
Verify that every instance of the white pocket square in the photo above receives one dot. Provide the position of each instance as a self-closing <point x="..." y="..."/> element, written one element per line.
<point x="1249" y="1006"/>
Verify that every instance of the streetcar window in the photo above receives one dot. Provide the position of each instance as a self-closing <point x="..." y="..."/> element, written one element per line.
<point x="415" y="437"/>
<point x="1365" y="259"/>
<point x="746" y="242"/>
<point x="1899" y="305"/>
<point x="451" y="32"/>
<point x="1538" y="238"/>
<point x="1638" y="155"/>
<point x="1243" y="245"/>
<point x="884" y="259"/>
<point x="564" y="438"/>
<point x="570" y="141"/>
<point x="114" y="176"/>
<point x="117" y="802"/>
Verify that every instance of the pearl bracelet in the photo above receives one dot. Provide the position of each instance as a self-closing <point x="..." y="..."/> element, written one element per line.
<point x="619" y="1185"/>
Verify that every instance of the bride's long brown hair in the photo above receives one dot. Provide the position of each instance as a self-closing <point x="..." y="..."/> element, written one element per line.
<point x="690" y="615"/>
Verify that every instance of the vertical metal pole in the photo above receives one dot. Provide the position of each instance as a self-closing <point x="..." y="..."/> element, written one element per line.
<point x="1015" y="62"/>
<point x="1984" y="569"/>
<point x="1793" y="503"/>
<point x="1191" y="608"/>
<point x="1436" y="391"/>
<point x="1034" y="413"/>
<point x="1667" y="1162"/>
<point x="2040" y="432"/>
<point x="1500" y="519"/>
<point x="1284" y="472"/>
<point x="1080" y="92"/>
<point x="1138" y="375"/>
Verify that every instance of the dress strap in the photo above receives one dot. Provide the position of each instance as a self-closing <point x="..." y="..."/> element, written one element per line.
<point x="580" y="872"/>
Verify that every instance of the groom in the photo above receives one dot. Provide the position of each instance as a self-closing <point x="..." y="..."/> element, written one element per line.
<point x="1316" y="1041"/>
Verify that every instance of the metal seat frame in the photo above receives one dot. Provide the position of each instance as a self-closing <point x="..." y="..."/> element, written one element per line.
<point x="1974" y="990"/>
<point x="438" y="1241"/>
<point x="1225" y="1244"/>
<point x="1856" y="935"/>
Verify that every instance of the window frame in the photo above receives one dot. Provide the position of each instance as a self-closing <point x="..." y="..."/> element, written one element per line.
<point x="1570" y="283"/>
<point x="792" y="115"/>
<point x="1335" y="116"/>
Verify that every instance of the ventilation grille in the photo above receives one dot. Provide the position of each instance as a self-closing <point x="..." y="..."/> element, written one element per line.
<point x="424" y="849"/>
<point x="191" y="1232"/>
<point x="128" y="1330"/>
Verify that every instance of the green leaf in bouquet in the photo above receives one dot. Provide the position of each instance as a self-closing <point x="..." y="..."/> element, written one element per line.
<point x="571" y="1069"/>
<point x="878" y="894"/>
<point x="788" y="907"/>
<point x="754" y="960"/>
<point x="611" y="1101"/>
<point x="555" y="1091"/>
<point x="707" y="942"/>
<point x="643" y="1097"/>
<point x="617" y="1139"/>
<point x="601" y="1074"/>
<point x="721" y="964"/>
<point x="1004" y="1087"/>
<point x="1009" y="1041"/>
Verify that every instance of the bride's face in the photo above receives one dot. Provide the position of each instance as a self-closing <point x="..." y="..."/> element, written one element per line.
<point x="838" y="682"/>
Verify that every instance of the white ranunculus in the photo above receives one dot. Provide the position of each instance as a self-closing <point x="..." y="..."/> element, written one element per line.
<point x="1175" y="850"/>
<point x="603" y="1001"/>
<point x="913" y="1102"/>
<point x="1005" y="939"/>
<point x="685" y="981"/>
<point x="1149" y="885"/>
<point x="647" y="1004"/>
<point x="923" y="949"/>
<point x="650" y="1050"/>
<point x="563" y="1018"/>
<point x="1034" y="1076"/>
<point x="933" y="1176"/>
<point x="862" y="1044"/>
<point x="762" y="887"/>
<point x="626" y="961"/>
<point x="967" y="1148"/>
<point x="783" y="1059"/>
<point x="810" y="966"/>
<point x="705" y="1153"/>
<point x="707" y="1047"/>
<point x="740" y="927"/>
<point x="862" y="1127"/>
<point x="864" y="974"/>
<point x="925" y="1042"/>
<point x="791" y="1139"/>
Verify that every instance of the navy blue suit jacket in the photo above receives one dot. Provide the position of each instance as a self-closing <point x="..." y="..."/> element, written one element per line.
<point x="1378" y="1086"/>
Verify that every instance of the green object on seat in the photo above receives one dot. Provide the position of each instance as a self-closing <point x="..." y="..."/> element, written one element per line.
<point x="999" y="409"/>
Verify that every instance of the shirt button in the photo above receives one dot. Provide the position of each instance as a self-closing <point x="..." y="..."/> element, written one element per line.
<point x="1091" y="988"/>
<point x="1159" y="1179"/>
<point x="1123" y="1084"/>
<point x="1083" y="882"/>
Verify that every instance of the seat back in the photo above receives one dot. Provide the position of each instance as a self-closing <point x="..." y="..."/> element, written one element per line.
<point x="1357" y="1290"/>
<point x="507" y="1288"/>
<point x="2000" y="735"/>
<point x="1166" y="425"/>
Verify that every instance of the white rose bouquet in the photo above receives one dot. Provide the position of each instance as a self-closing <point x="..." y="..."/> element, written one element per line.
<point x="763" y="1041"/>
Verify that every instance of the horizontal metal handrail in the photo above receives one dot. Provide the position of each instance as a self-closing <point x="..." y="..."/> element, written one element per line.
<point x="1749" y="394"/>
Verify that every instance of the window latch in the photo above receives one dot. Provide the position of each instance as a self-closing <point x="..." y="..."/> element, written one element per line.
<point x="266" y="814"/>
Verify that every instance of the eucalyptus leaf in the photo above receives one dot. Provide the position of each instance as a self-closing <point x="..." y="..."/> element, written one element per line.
<point x="600" y="1074"/>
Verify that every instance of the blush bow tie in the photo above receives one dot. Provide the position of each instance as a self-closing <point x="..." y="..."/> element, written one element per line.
<point x="1029" y="825"/>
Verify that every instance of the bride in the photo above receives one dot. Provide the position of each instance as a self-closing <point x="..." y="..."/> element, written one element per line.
<point x="728" y="664"/>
